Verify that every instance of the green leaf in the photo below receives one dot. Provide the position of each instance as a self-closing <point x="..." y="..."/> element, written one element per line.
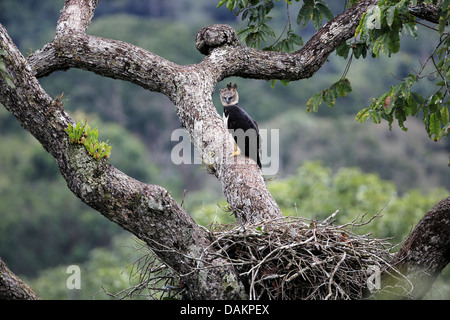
<point x="221" y="3"/>
<point x="435" y="126"/>
<point x="272" y="83"/>
<point x="393" y="41"/>
<point x="317" y="18"/>
<point x="77" y="128"/>
<point x="359" y="49"/>
<point x="362" y="26"/>
<point x="403" y="88"/>
<point x="243" y="33"/>
<point x="435" y="102"/>
<point x="94" y="147"/>
<point x="376" y="116"/>
<point x="380" y="103"/>
<point x="363" y="115"/>
<point x="444" y="115"/>
<point x="411" y="79"/>
<point x="343" y="49"/>
<point x="231" y="5"/>
<point x="413" y="105"/>
<point x="324" y="10"/>
<point x="373" y="19"/>
<point x="315" y="101"/>
<point x="442" y="23"/>
<point x="446" y="4"/>
<point x="418" y="98"/>
<point x="3" y="67"/>
<point x="400" y="114"/>
<point x="409" y="28"/>
<point x="390" y="15"/>
<point x="378" y="45"/>
<point x="329" y="96"/>
<point x="304" y="14"/>
<point x="296" y="39"/>
<point x="344" y="87"/>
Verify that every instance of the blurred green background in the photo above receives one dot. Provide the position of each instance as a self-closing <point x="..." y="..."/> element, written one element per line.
<point x="329" y="161"/>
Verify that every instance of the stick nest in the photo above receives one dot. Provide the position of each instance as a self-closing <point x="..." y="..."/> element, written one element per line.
<point x="295" y="258"/>
<point x="287" y="258"/>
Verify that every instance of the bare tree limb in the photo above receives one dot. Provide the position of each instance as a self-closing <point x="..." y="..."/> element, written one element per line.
<point x="428" y="12"/>
<point x="231" y="58"/>
<point x="423" y="255"/>
<point x="12" y="288"/>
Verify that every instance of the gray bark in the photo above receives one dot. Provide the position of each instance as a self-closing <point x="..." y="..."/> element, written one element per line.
<point x="147" y="211"/>
<point x="12" y="288"/>
<point x="190" y="87"/>
<point x="423" y="256"/>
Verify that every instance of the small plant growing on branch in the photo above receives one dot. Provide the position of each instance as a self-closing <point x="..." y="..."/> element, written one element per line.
<point x="83" y="134"/>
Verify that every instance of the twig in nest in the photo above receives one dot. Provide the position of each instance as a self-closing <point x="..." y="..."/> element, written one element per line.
<point x="284" y="258"/>
<point x="294" y="258"/>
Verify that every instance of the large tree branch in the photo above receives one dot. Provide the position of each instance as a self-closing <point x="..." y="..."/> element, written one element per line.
<point x="422" y="257"/>
<point x="12" y="288"/>
<point x="230" y="58"/>
<point x="189" y="87"/>
<point x="73" y="48"/>
<point x="428" y="12"/>
<point x="108" y="58"/>
<point x="227" y="57"/>
<point x="147" y="211"/>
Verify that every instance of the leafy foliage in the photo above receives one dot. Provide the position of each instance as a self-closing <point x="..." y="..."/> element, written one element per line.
<point x="379" y="32"/>
<point x="340" y="88"/>
<point x="83" y="134"/>
<point x="400" y="102"/>
<point x="315" y="11"/>
<point x="258" y="31"/>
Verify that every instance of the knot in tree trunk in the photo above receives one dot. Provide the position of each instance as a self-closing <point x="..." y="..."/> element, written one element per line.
<point x="215" y="36"/>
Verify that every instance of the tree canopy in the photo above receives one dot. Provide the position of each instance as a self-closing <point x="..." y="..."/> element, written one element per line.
<point x="378" y="32"/>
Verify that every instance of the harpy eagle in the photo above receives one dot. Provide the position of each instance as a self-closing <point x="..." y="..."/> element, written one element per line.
<point x="235" y="118"/>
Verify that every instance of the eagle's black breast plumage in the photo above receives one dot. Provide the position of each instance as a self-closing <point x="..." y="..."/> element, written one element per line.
<point x="237" y="118"/>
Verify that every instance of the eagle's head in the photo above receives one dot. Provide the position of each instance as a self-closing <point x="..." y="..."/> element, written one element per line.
<point x="229" y="96"/>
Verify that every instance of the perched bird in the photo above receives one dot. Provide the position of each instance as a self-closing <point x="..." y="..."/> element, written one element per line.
<point x="235" y="118"/>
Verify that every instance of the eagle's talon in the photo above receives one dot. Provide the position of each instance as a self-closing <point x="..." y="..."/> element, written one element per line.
<point x="235" y="153"/>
